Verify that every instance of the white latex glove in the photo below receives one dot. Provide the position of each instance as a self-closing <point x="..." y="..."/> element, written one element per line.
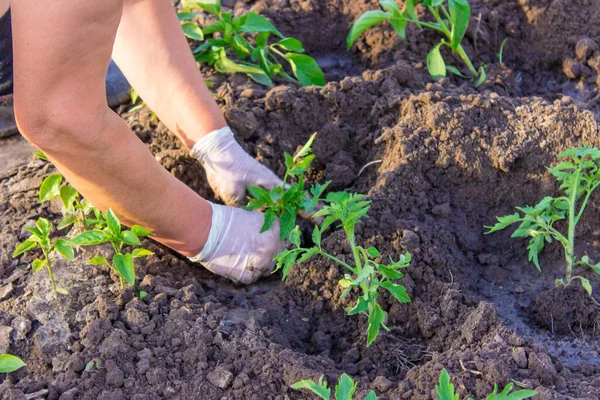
<point x="229" y="169"/>
<point x="235" y="248"/>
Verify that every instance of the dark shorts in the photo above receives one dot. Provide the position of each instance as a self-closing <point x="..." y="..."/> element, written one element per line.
<point x="6" y="67"/>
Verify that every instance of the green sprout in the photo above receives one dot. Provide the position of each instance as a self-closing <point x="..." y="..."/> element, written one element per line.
<point x="445" y="391"/>
<point x="229" y="37"/>
<point x="75" y="210"/>
<point x="579" y="176"/>
<point x="10" y="363"/>
<point x="113" y="233"/>
<point x="285" y="201"/>
<point x="40" y="239"/>
<point x="451" y="21"/>
<point x="344" y="390"/>
<point x="365" y="273"/>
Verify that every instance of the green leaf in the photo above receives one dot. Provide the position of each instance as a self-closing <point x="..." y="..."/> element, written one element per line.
<point x="535" y="247"/>
<point x="507" y="395"/>
<point x="35" y="231"/>
<point x="89" y="238"/>
<point x="364" y="22"/>
<point x="212" y="6"/>
<point x="460" y="13"/>
<point x="124" y="265"/>
<point x="482" y="77"/>
<point x="291" y="44"/>
<point x="435" y="63"/>
<point x="64" y="249"/>
<point x="10" y="363"/>
<point x="389" y="5"/>
<point x="192" y="31"/>
<point x="24" y="247"/>
<point x="586" y="284"/>
<point x="40" y="155"/>
<point x="183" y="16"/>
<point x="287" y="223"/>
<point x="43" y="225"/>
<point x="113" y="223"/>
<point x="362" y="305"/>
<point x="68" y="221"/>
<point x="295" y="236"/>
<point x="62" y="291"/>
<point x="455" y="71"/>
<point x="320" y="388"/>
<point x="503" y="222"/>
<point x="270" y="218"/>
<point x="252" y="22"/>
<point x="140" y="231"/>
<point x="306" y="149"/>
<point x="389" y="273"/>
<point x="137" y="253"/>
<point x="316" y="236"/>
<point x="131" y="238"/>
<point x="38" y="264"/>
<point x="373" y="252"/>
<point x="372" y="395"/>
<point x="410" y="8"/>
<point x="345" y="388"/>
<point x="68" y="195"/>
<point x="398" y="291"/>
<point x="306" y="69"/>
<point x="143" y="294"/>
<point x="288" y="263"/>
<point x="225" y="65"/>
<point x="50" y="187"/>
<point x="399" y="24"/>
<point x="98" y="260"/>
<point x="445" y="390"/>
<point x="376" y="318"/>
<point x="260" y="194"/>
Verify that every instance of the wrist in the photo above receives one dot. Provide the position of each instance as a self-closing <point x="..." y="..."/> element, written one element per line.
<point x="214" y="140"/>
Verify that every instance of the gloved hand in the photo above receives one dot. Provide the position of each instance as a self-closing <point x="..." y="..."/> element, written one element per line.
<point x="229" y="168"/>
<point x="235" y="249"/>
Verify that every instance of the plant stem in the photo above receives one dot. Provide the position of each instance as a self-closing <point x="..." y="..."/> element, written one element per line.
<point x="585" y="201"/>
<point x="570" y="250"/>
<point x="49" y="268"/>
<point x="337" y="260"/>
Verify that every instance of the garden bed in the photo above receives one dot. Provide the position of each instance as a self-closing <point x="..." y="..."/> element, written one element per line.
<point x="449" y="159"/>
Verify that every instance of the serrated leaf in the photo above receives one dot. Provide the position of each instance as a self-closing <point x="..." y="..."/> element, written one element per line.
<point x="269" y="219"/>
<point x="535" y="247"/>
<point x="445" y="389"/>
<point x="376" y="318"/>
<point x="64" y="249"/>
<point x="320" y="388"/>
<point x="260" y="194"/>
<point x="364" y="22"/>
<point x="287" y="222"/>
<point x="124" y="265"/>
<point x="10" y="363"/>
<point x="389" y="272"/>
<point x="435" y="63"/>
<point x="398" y="291"/>
<point x="288" y="263"/>
<point x="503" y="222"/>
<point x="361" y="306"/>
<point x="98" y="260"/>
<point x="50" y="187"/>
<point x="138" y="253"/>
<point x="345" y="388"/>
<point x="316" y="236"/>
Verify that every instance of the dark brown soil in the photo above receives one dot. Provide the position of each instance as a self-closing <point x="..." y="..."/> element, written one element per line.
<point x="448" y="159"/>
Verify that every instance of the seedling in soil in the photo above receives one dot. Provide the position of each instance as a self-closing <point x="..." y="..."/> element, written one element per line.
<point x="75" y="210"/>
<point x="364" y="273"/>
<point x="344" y="390"/>
<point x="285" y="201"/>
<point x="445" y="391"/>
<point x="579" y="176"/>
<point x="452" y="19"/>
<point x="40" y="238"/>
<point x="122" y="262"/>
<point x="261" y="59"/>
<point x="10" y="363"/>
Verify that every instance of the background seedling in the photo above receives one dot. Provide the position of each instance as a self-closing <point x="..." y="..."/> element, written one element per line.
<point x="445" y="391"/>
<point x="579" y="176"/>
<point x="344" y="390"/>
<point x="243" y="45"/>
<point x="285" y="201"/>
<point x="40" y="239"/>
<point x="10" y="363"/>
<point x="452" y="19"/>
<point x="122" y="262"/>
<point x="365" y="273"/>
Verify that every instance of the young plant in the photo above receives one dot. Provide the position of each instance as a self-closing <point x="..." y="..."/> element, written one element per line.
<point x="364" y="273"/>
<point x="445" y="391"/>
<point x="113" y="233"/>
<point x="261" y="59"/>
<point x="285" y="201"/>
<point x="10" y="363"/>
<point x="452" y="19"/>
<point x="40" y="238"/>
<point x="579" y="176"/>
<point x="75" y="210"/>
<point x="344" y="390"/>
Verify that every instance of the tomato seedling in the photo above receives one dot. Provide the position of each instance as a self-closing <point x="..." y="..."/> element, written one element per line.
<point x="113" y="233"/>
<point x="365" y="273"/>
<point x="445" y="391"/>
<point x="344" y="390"/>
<point x="579" y="176"/>
<point x="451" y="21"/>
<point x="75" y="210"/>
<point x="261" y="60"/>
<point x="10" y="363"/>
<point x="285" y="201"/>
<point x="40" y="238"/>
